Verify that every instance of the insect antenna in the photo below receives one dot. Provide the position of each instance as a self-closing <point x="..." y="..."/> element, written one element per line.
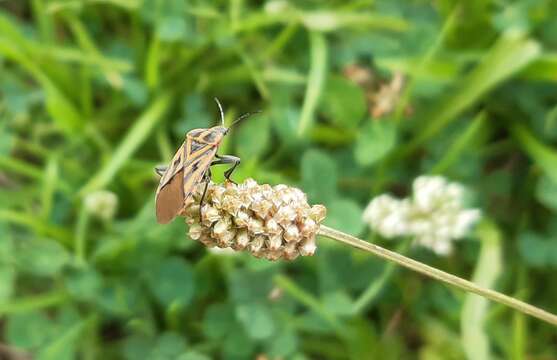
<point x="246" y="115"/>
<point x="221" y="111"/>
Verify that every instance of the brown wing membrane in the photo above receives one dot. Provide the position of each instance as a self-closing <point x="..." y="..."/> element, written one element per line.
<point x="177" y="164"/>
<point x="170" y="194"/>
<point x="170" y="199"/>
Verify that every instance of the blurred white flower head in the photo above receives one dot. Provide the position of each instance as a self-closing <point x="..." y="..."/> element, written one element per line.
<point x="102" y="204"/>
<point x="276" y="6"/>
<point x="434" y="215"/>
<point x="388" y="216"/>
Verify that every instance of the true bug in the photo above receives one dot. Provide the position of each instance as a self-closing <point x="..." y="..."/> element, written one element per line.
<point x="190" y="166"/>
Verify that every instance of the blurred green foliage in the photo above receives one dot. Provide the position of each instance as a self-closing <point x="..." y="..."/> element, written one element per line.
<point x="95" y="93"/>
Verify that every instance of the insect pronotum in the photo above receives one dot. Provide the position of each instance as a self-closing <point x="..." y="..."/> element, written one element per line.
<point x="190" y="166"/>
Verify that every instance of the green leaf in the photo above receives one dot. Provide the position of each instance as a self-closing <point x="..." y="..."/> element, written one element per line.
<point x="345" y="215"/>
<point x="42" y="257"/>
<point x="488" y="268"/>
<point x="546" y="192"/>
<point x="135" y="90"/>
<point x="7" y="282"/>
<point x="218" y="321"/>
<point x="323" y="20"/>
<point x="195" y="115"/>
<point x="7" y="250"/>
<point x="375" y="141"/>
<point x="462" y="142"/>
<point x="544" y="156"/>
<point x="510" y="54"/>
<point x="119" y="297"/>
<point x="172" y="281"/>
<point x="248" y="286"/>
<point x="6" y="141"/>
<point x="257" y="320"/>
<point x="537" y="250"/>
<point x="168" y="347"/>
<point x="284" y="344"/>
<point x="319" y="176"/>
<point x="61" y="109"/>
<point x="172" y="28"/>
<point x="135" y="136"/>
<point x="64" y="343"/>
<point x="238" y="345"/>
<point x="253" y="137"/>
<point x="137" y="346"/>
<point x="84" y="284"/>
<point x="338" y="303"/>
<point x="28" y="330"/>
<point x="343" y="102"/>
<point x="193" y="355"/>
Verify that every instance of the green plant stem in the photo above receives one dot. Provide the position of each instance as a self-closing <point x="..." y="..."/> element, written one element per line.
<point x="134" y="138"/>
<point x="33" y="303"/>
<point x="438" y="274"/>
<point x="36" y="224"/>
<point x="80" y="245"/>
<point x="375" y="287"/>
<point x="309" y="300"/>
<point x="316" y="80"/>
<point x="23" y="168"/>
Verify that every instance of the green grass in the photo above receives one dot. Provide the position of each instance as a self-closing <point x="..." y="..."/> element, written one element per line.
<point x="95" y="93"/>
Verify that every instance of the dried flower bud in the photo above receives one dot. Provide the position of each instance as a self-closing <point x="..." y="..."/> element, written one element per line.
<point x="195" y="231"/>
<point x="241" y="241"/>
<point x="291" y="233"/>
<point x="308" y="248"/>
<point x="241" y="219"/>
<point x="209" y="214"/>
<point x="269" y="222"/>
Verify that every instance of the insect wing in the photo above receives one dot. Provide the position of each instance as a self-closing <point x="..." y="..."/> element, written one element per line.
<point x="199" y="159"/>
<point x="170" y="193"/>
<point x="170" y="200"/>
<point x="187" y="169"/>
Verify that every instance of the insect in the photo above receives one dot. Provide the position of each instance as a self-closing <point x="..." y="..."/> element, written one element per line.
<point x="191" y="166"/>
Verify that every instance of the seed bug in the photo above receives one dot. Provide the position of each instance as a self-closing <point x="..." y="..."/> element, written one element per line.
<point x="191" y="166"/>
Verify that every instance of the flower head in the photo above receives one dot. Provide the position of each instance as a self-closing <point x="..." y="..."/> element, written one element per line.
<point x="270" y="222"/>
<point x="434" y="215"/>
<point x="387" y="215"/>
<point x="102" y="204"/>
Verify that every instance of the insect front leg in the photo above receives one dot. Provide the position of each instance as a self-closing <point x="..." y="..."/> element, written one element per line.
<point x="227" y="159"/>
<point x="206" y="179"/>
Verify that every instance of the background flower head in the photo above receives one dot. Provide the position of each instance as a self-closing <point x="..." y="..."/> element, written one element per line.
<point x="434" y="215"/>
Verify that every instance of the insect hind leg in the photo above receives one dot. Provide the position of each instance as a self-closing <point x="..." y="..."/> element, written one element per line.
<point x="207" y="180"/>
<point x="227" y="159"/>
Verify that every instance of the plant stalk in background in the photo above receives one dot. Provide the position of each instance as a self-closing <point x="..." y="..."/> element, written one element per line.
<point x="438" y="274"/>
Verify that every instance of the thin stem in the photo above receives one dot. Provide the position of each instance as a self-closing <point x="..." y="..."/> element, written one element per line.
<point x="438" y="274"/>
<point x="33" y="303"/>
<point x="80" y="240"/>
<point x="374" y="289"/>
<point x="307" y="299"/>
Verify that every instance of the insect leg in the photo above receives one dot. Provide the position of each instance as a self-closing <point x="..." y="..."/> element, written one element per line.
<point x="206" y="179"/>
<point x="227" y="159"/>
<point x="160" y="169"/>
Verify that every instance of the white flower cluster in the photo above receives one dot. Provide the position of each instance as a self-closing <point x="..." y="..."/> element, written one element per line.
<point x="434" y="215"/>
<point x="102" y="204"/>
